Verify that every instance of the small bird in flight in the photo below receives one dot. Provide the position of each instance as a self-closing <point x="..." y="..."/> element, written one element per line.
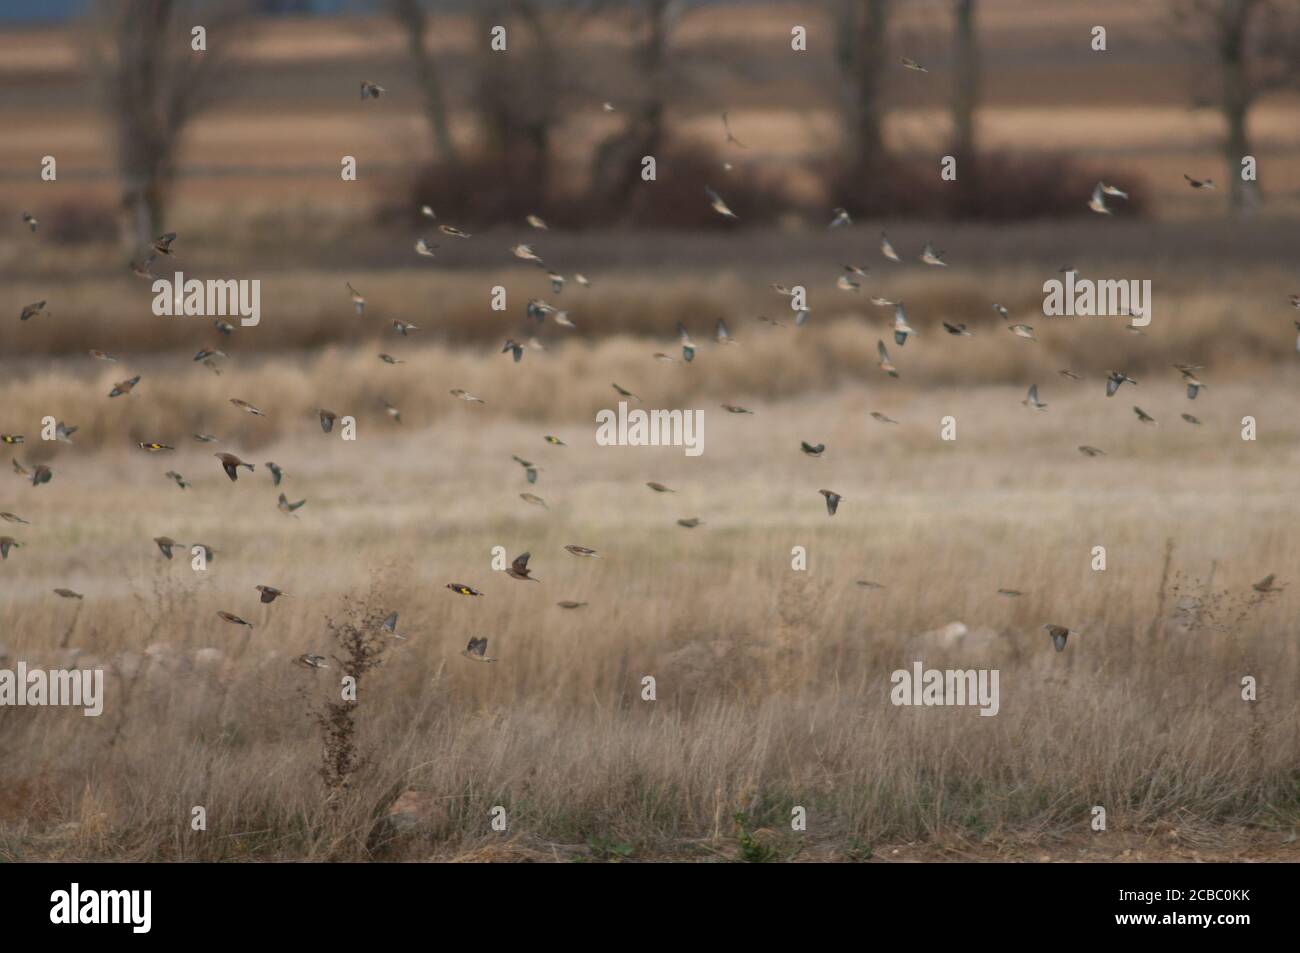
<point x="1031" y="399"/>
<point x="932" y="257"/>
<point x="389" y="625"/>
<point x="286" y="507"/>
<point x="124" y="387"/>
<point x="462" y="589"/>
<point x="886" y="364"/>
<point x="902" y="330"/>
<point x="1098" y="201"/>
<point x="530" y="469"/>
<point x="1193" y="383"/>
<point x="246" y="407"/>
<point x="477" y="650"/>
<point x="887" y="249"/>
<point x="234" y="619"/>
<point x="231" y="464"/>
<point x="1266" y="585"/>
<point x="358" y="299"/>
<point x="832" y="501"/>
<point x="1114" y="379"/>
<point x="1059" y="634"/>
<point x="269" y="593"/>
<point x="688" y="346"/>
<point x="730" y="139"/>
<point x="719" y="206"/>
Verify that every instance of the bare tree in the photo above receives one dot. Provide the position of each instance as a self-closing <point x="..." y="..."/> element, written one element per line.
<point x="1255" y="48"/>
<point x="154" y="83"/>
<point x="862" y="54"/>
<point x="413" y="18"/>
<point x="615" y="165"/>
<point x="517" y="94"/>
<point x="966" y="76"/>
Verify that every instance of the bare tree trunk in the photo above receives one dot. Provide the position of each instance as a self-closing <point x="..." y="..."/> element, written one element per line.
<point x="1236" y="95"/>
<point x="496" y="116"/>
<point x="861" y="52"/>
<point x="154" y="84"/>
<point x="411" y="15"/>
<point x="616" y="167"/>
<point x="965" y="87"/>
<point x="542" y="117"/>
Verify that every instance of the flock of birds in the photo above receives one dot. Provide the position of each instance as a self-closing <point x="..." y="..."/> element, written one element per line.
<point x="539" y="310"/>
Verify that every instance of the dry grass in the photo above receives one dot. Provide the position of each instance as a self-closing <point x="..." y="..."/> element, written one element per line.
<point x="772" y="684"/>
<point x="643" y="283"/>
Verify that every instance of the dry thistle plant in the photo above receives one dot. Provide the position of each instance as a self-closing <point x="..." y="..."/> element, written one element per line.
<point x="361" y="645"/>
<point x="1197" y="607"/>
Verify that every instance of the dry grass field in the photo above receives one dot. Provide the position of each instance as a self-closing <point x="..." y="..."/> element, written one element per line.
<point x="771" y="683"/>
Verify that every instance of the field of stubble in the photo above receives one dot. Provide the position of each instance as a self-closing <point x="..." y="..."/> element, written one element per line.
<point x="772" y="684"/>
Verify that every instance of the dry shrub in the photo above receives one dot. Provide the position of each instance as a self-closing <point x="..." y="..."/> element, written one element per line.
<point x="78" y="223"/>
<point x="494" y="188"/>
<point x="993" y="187"/>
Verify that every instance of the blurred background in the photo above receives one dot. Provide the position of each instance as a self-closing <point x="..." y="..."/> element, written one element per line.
<point x="239" y="148"/>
